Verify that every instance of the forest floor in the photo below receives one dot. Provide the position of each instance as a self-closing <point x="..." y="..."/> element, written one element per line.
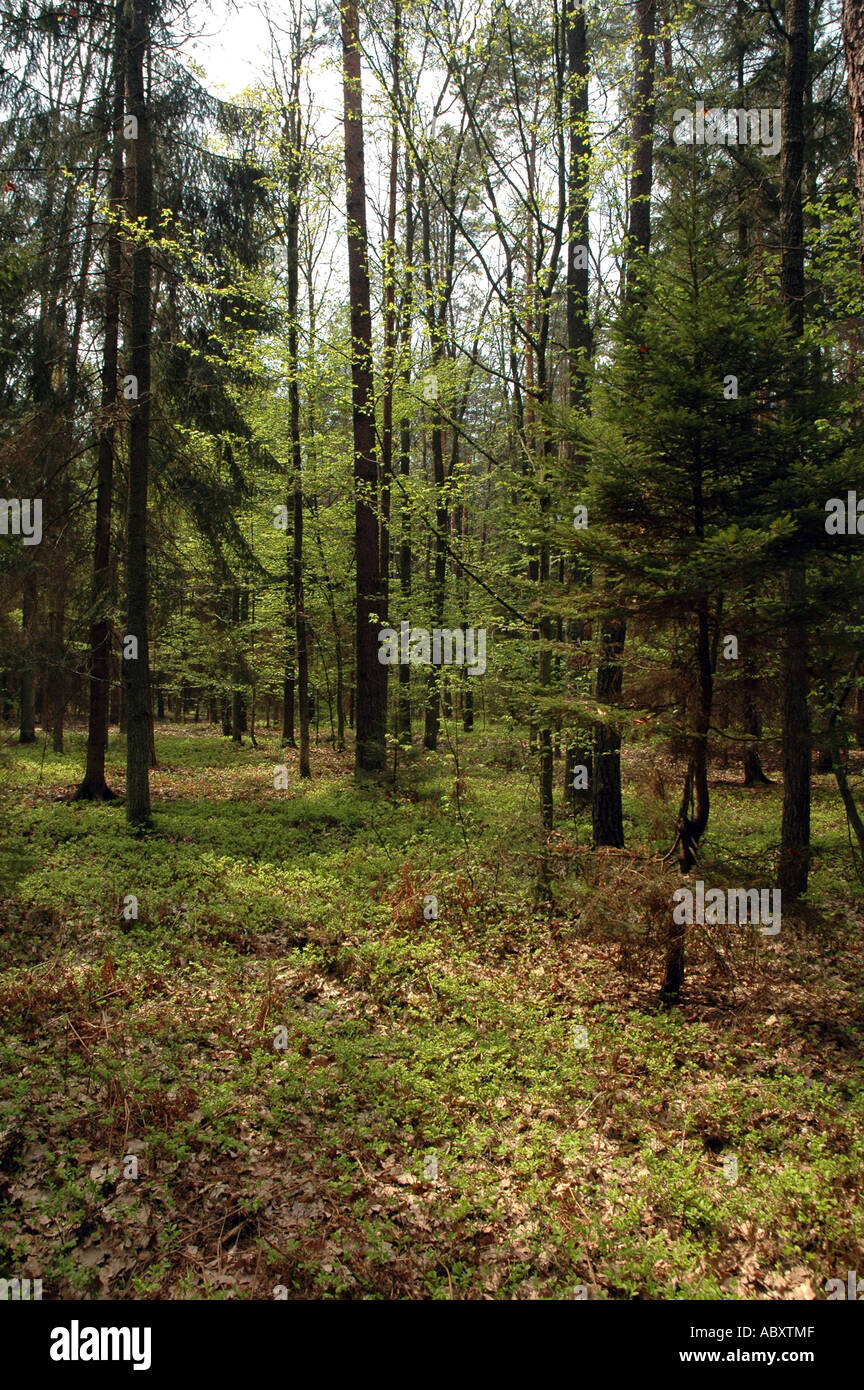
<point x="327" y="1095"/>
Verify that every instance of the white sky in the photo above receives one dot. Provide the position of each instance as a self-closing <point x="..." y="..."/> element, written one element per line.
<point x="231" y="42"/>
<point x="232" y="46"/>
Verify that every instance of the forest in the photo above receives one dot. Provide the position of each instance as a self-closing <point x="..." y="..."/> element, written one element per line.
<point x="431" y="650"/>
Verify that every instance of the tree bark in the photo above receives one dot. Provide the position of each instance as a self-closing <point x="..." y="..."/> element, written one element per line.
<point x="606" y="808"/>
<point x="371" y="705"/>
<point x="579" y="337"/>
<point x="795" y="678"/>
<point x="404" y="708"/>
<point x="240" y="613"/>
<point x="292" y="247"/>
<point x="607" y="816"/>
<point x="389" y="270"/>
<point x="853" y="42"/>
<point x="27" y="728"/>
<point x="138" y="734"/>
<point x="433" y="305"/>
<point x="639" y="230"/>
<point x="692" y="828"/>
<point x="579" y="334"/>
<point x="94" y="786"/>
<point x="753" y="771"/>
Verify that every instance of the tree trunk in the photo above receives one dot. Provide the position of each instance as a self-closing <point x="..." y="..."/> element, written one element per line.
<point x="607" y="817"/>
<point x="753" y="772"/>
<point x="673" y="975"/>
<point x="404" y="713"/>
<point x="293" y="253"/>
<point x="442" y="513"/>
<point x="579" y="334"/>
<point x="404" y="719"/>
<point x="138" y="736"/>
<point x="340" y="696"/>
<point x="795" y="677"/>
<point x="370" y="743"/>
<point x="389" y="271"/>
<point x="606" y="811"/>
<point x="795" y="828"/>
<point x="239" y="613"/>
<point x="853" y="42"/>
<point x="57" y="624"/>
<point x="95" y="786"/>
<point x="288" y="683"/>
<point x="27" y="731"/>
<point x="151" y="731"/>
<point x="691" y="828"/>
<point x="639" y="230"/>
<point x="59" y="691"/>
<point x="579" y="344"/>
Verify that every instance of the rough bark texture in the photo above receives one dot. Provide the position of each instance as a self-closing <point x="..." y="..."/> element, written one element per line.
<point x="293" y="253"/>
<point x="606" y="810"/>
<point x="371" y="703"/>
<point x="94" y="786"/>
<point x="753" y="771"/>
<point x="239" y="616"/>
<point x="853" y="42"/>
<point x="135" y="671"/>
<point x="389" y="267"/>
<point x="405" y="577"/>
<point x="404" y="718"/>
<point x="578" y="317"/>
<point x="795" y="828"/>
<point x="641" y="177"/>
<point x="27" y="728"/>
<point x="288" y="684"/>
<point x="691" y="827"/>
<point x="434" y="303"/>
<point x="579" y="335"/>
<point x="673" y="974"/>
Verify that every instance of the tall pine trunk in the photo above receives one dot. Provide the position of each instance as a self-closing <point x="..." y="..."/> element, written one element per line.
<point x="371" y="697"/>
<point x="138" y="735"/>
<point x="579" y="335"/>
<point x="27" y="727"/>
<point x="293" y="253"/>
<point x="404" y="720"/>
<point x="606" y="809"/>
<point x="795" y="678"/>
<point x="94" y="785"/>
<point x="436" y="327"/>
<point x="404" y="724"/>
<point x="390" y="323"/>
<point x="853" y="42"/>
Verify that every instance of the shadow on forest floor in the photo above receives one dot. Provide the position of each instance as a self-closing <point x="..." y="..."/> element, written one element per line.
<point x="327" y="1090"/>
